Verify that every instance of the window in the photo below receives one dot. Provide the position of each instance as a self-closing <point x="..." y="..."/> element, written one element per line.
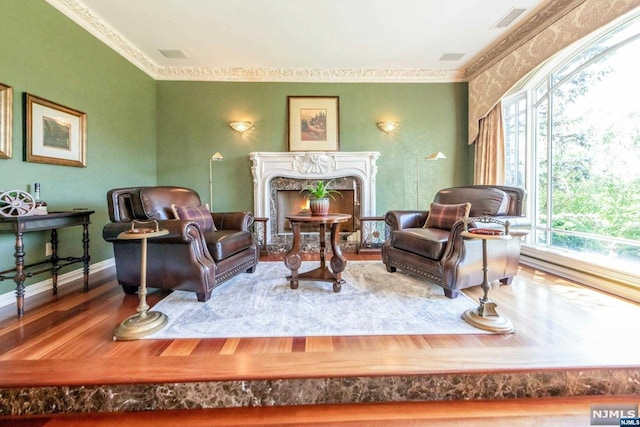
<point x="574" y="129"/>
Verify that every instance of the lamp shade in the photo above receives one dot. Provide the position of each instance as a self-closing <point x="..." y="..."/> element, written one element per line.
<point x="388" y="126"/>
<point x="436" y="156"/>
<point x="241" y="126"/>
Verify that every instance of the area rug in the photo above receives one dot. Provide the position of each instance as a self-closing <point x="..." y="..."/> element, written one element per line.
<point x="372" y="302"/>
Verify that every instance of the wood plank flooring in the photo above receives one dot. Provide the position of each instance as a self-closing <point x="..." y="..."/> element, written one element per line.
<point x="67" y="340"/>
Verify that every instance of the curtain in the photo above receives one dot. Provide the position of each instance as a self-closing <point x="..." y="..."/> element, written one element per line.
<point x="489" y="163"/>
<point x="568" y="21"/>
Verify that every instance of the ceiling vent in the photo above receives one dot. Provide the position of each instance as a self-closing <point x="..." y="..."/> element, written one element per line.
<point x="509" y="17"/>
<point x="173" y="53"/>
<point x="452" y="56"/>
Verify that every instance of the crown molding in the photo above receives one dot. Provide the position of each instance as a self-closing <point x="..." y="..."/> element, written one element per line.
<point x="309" y="75"/>
<point x="88" y="20"/>
<point x="85" y="18"/>
<point x="544" y="16"/>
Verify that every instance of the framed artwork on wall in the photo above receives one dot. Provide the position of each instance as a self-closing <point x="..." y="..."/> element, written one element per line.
<point x="314" y="123"/>
<point x="6" y="122"/>
<point x="54" y="134"/>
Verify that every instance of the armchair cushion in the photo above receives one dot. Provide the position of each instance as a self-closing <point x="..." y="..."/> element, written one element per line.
<point x="426" y="242"/>
<point x="224" y="243"/>
<point x="444" y="216"/>
<point x="200" y="215"/>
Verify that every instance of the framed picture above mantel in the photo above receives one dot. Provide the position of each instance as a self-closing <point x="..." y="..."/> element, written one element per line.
<point x="314" y="123"/>
<point x="54" y="134"/>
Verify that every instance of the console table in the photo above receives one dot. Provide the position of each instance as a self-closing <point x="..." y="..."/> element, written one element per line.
<point x="338" y="262"/>
<point x="52" y="221"/>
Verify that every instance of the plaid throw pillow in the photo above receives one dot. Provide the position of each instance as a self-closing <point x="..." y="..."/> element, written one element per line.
<point x="444" y="216"/>
<point x="199" y="215"/>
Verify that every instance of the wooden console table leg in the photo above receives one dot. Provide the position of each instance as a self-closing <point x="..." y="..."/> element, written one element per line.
<point x="54" y="260"/>
<point x="19" y="276"/>
<point x="86" y="257"/>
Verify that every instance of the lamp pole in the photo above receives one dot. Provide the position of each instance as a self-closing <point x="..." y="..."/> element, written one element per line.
<point x="433" y="156"/>
<point x="217" y="157"/>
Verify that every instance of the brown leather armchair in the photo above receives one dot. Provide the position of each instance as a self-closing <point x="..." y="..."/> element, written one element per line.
<point x="188" y="258"/>
<point x="444" y="256"/>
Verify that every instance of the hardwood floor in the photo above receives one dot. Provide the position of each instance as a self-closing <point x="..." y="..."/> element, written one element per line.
<point x="67" y="340"/>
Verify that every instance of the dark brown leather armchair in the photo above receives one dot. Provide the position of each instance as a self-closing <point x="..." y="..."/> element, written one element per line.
<point x="444" y="256"/>
<point x="187" y="258"/>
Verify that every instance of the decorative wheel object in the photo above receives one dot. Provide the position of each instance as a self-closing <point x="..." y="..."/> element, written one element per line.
<point x="16" y="203"/>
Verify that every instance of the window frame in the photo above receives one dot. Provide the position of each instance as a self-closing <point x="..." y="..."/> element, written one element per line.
<point x="572" y="264"/>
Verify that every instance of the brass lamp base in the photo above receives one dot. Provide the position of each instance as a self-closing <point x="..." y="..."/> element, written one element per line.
<point x="492" y="323"/>
<point x="140" y="325"/>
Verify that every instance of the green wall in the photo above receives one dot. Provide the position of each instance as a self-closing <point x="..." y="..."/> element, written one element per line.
<point x="44" y="53"/>
<point x="142" y="132"/>
<point x="193" y="121"/>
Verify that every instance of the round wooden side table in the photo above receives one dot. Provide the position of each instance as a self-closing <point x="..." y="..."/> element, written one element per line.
<point x="486" y="316"/>
<point x="338" y="262"/>
<point x="144" y="322"/>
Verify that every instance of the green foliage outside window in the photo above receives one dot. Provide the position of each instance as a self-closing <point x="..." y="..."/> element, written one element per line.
<point x="587" y="129"/>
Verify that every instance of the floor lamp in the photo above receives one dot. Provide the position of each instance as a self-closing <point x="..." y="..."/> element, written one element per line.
<point x="432" y="156"/>
<point x="215" y="158"/>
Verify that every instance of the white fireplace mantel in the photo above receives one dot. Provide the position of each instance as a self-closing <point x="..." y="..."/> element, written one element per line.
<point x="313" y="165"/>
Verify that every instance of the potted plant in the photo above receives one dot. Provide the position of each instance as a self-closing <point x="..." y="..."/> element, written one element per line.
<point x="318" y="196"/>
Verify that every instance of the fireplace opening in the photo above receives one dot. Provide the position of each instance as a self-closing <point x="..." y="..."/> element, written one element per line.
<point x="295" y="202"/>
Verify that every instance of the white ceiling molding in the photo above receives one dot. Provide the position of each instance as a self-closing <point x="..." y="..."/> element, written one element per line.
<point x="97" y="27"/>
<point x="94" y="24"/>
<point x="309" y="75"/>
<point x="116" y="41"/>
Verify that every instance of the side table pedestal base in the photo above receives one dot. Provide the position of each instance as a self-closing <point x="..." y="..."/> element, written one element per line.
<point x="144" y="322"/>
<point x="140" y="325"/>
<point x="493" y="323"/>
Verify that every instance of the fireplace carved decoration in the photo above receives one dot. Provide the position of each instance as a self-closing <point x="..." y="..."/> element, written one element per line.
<point x="314" y="164"/>
<point x="269" y="168"/>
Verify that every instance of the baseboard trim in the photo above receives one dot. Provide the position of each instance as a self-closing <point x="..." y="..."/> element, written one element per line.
<point x="63" y="279"/>
<point x="587" y="274"/>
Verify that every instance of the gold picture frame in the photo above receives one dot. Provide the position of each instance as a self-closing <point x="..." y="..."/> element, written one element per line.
<point x="314" y="123"/>
<point x="6" y="121"/>
<point x="54" y="134"/>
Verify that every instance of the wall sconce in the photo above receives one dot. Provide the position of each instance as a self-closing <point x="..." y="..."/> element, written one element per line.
<point x="388" y="126"/>
<point x="433" y="156"/>
<point x="215" y="158"/>
<point x="241" y="126"/>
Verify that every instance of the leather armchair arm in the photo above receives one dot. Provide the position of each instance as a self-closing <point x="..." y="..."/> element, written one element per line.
<point x="454" y="242"/>
<point x="397" y="220"/>
<point x="232" y="220"/>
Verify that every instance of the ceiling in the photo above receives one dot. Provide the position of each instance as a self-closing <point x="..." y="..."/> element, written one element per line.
<point x="299" y="40"/>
